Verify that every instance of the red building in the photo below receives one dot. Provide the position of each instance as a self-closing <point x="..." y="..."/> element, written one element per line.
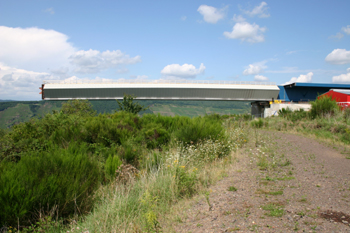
<point x="342" y="96"/>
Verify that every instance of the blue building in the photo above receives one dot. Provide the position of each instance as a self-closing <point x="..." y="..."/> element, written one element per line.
<point x="305" y="92"/>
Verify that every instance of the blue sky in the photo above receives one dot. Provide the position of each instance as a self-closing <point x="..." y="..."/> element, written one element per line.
<point x="269" y="41"/>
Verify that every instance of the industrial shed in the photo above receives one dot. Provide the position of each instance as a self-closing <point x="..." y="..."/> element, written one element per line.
<point x="306" y="92"/>
<point x="341" y="96"/>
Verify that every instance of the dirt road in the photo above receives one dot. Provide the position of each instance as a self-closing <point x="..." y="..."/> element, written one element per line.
<point x="279" y="183"/>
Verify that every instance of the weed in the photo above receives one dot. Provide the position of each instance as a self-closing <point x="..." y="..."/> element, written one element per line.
<point x="149" y="203"/>
<point x="280" y="192"/>
<point x="275" y="209"/>
<point x="303" y="199"/>
<point x="286" y="178"/>
<point x="227" y="212"/>
<point x="206" y="194"/>
<point x="301" y="213"/>
<point x="232" y="189"/>
<point x="296" y="226"/>
<point x="263" y="163"/>
<point x="286" y="163"/>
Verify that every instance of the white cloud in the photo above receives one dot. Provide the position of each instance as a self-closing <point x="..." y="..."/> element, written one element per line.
<point x="337" y="36"/>
<point x="211" y="14"/>
<point x="33" y="48"/>
<point x="19" y="84"/>
<point x="252" y="69"/>
<point x="260" y="78"/>
<point x="93" y="61"/>
<point x="183" y="18"/>
<point x="343" y="78"/>
<point x="303" y="78"/>
<point x="255" y="68"/>
<point x="122" y="70"/>
<point x="50" y="11"/>
<point x="260" y="11"/>
<point x="338" y="57"/>
<point x="346" y="29"/>
<point x="238" y="18"/>
<point x="30" y="55"/>
<point x="245" y="31"/>
<point x="184" y="71"/>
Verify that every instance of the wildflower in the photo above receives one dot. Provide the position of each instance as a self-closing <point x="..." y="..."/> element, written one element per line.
<point x="182" y="166"/>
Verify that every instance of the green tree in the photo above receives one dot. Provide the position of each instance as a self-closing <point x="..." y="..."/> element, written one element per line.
<point x="128" y="105"/>
<point x="79" y="107"/>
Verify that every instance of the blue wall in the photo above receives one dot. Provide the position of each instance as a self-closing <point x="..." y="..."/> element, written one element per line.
<point x="304" y="92"/>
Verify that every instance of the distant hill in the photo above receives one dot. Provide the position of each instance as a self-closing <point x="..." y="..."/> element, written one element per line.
<point x="14" y="112"/>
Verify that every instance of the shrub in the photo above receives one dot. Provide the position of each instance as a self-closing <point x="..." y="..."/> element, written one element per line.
<point x="79" y="107"/>
<point x="57" y="183"/>
<point x="285" y="112"/>
<point x="322" y="106"/>
<point x="112" y="164"/>
<point x="128" y="105"/>
<point x="259" y="123"/>
<point x="155" y="135"/>
<point x="199" y="128"/>
<point x="185" y="181"/>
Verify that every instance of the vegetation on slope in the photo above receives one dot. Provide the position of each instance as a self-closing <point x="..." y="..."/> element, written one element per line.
<point x="12" y="112"/>
<point x="69" y="163"/>
<point x="324" y="120"/>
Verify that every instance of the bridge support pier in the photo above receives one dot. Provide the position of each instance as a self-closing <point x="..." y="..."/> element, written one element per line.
<point x="258" y="108"/>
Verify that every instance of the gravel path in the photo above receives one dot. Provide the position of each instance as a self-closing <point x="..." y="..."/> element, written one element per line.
<point x="285" y="183"/>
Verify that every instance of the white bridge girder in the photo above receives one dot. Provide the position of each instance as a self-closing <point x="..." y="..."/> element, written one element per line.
<point x="195" y="90"/>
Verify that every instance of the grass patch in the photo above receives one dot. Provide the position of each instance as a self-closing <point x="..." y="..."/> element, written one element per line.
<point x="274" y="209"/>
<point x="274" y="193"/>
<point x="232" y="189"/>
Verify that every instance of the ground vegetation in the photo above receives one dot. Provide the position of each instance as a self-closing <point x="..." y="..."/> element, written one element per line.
<point x="74" y="168"/>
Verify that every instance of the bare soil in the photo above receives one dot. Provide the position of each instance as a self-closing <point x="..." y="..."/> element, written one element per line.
<point x="304" y="188"/>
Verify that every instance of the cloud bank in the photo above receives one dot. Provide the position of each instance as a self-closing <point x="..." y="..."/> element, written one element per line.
<point x="93" y="61"/>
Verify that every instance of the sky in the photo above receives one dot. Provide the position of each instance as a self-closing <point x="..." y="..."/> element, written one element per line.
<point x="226" y="40"/>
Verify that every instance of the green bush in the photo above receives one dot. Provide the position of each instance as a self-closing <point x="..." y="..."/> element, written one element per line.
<point x="155" y="135"/>
<point x="58" y="183"/>
<point x="78" y="107"/>
<point x="259" y="123"/>
<point x="199" y="128"/>
<point x="322" y="106"/>
<point x="112" y="164"/>
<point x="285" y="112"/>
<point x="185" y="181"/>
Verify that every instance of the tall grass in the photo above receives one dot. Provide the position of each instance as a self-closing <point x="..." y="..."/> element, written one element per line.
<point x="140" y="206"/>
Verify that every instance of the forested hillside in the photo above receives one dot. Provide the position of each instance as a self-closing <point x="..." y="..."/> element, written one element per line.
<point x="14" y="112"/>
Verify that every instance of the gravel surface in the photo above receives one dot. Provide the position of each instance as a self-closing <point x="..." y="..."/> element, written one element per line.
<point x="284" y="183"/>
